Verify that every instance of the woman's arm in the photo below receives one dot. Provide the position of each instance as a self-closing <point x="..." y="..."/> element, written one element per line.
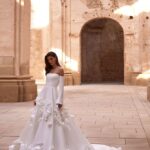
<point x="59" y="100"/>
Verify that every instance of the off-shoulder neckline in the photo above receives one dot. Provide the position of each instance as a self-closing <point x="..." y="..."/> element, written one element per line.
<point x="54" y="73"/>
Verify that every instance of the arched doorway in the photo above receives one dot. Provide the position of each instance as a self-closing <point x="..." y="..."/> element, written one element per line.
<point x="102" y="51"/>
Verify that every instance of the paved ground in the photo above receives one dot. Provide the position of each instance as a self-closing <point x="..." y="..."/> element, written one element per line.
<point x="114" y="115"/>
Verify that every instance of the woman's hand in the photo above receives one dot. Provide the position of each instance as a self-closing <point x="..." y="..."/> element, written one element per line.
<point x="34" y="103"/>
<point x="59" y="106"/>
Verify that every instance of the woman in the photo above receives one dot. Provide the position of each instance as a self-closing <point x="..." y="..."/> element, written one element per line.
<point x="50" y="127"/>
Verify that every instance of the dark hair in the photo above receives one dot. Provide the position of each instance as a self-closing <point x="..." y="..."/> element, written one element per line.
<point x="48" y="66"/>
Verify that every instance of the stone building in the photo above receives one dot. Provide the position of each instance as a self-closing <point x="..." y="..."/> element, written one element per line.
<point x="96" y="40"/>
<point x="16" y="83"/>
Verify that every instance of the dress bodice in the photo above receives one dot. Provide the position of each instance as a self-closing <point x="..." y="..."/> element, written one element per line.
<point x="52" y="79"/>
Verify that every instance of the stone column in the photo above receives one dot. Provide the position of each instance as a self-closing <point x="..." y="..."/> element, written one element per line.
<point x="16" y="83"/>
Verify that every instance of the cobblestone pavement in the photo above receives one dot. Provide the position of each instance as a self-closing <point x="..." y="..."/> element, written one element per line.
<point x="111" y="114"/>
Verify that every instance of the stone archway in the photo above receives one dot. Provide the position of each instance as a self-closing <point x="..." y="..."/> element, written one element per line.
<point x="102" y="51"/>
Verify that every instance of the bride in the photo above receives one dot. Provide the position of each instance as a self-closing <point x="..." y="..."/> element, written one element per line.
<point x="50" y="126"/>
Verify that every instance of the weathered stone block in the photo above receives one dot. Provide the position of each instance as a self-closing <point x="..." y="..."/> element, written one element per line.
<point x="16" y="90"/>
<point x="68" y="78"/>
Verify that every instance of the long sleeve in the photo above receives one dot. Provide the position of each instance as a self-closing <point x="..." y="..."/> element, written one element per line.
<point x="60" y="89"/>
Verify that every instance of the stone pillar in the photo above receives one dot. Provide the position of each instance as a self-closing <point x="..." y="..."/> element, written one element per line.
<point x="16" y="83"/>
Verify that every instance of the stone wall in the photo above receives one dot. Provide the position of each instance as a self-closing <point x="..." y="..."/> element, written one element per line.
<point x="40" y="37"/>
<point x="6" y="43"/>
<point x="67" y="22"/>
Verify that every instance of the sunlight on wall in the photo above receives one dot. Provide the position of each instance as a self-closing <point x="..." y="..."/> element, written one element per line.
<point x="40" y="14"/>
<point x="21" y="2"/>
<point x="69" y="62"/>
<point x="144" y="75"/>
<point x="134" y="9"/>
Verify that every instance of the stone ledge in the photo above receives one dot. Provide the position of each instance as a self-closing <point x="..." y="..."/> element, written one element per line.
<point x="17" y="90"/>
<point x="139" y="78"/>
<point x="15" y="77"/>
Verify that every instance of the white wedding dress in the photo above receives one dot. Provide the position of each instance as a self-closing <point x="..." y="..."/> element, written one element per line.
<point x="51" y="128"/>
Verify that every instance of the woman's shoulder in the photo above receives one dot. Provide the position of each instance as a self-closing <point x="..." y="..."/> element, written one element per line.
<point x="61" y="71"/>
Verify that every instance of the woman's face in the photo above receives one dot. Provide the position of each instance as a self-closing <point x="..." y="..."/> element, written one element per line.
<point x="51" y="60"/>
